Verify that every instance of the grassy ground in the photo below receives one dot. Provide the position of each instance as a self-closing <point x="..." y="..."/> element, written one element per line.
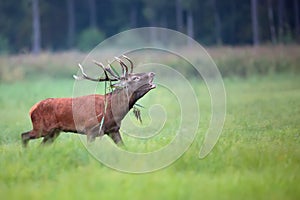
<point x="256" y="157"/>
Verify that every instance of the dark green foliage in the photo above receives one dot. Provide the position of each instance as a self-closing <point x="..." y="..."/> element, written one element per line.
<point x="4" y="47"/>
<point x="118" y="15"/>
<point x="89" y="38"/>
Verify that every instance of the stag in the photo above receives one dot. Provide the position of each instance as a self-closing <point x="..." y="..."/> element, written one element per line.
<point x="93" y="115"/>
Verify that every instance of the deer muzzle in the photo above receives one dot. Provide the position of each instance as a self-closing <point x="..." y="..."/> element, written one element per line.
<point x="151" y="77"/>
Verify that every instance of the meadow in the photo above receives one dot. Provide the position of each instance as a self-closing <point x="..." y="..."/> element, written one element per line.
<point x="256" y="157"/>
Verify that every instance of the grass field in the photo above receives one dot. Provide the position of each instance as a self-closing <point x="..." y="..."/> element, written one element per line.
<point x="256" y="157"/>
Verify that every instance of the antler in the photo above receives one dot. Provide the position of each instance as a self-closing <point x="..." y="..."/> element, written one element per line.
<point x="107" y="70"/>
<point x="123" y="65"/>
<point x="131" y="63"/>
<point x="85" y="76"/>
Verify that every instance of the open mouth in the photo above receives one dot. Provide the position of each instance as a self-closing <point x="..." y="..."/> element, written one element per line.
<point x="148" y="86"/>
<point x="151" y="84"/>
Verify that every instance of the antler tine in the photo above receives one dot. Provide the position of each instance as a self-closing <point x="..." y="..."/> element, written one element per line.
<point x="123" y="65"/>
<point x="77" y="77"/>
<point x="106" y="69"/>
<point x="99" y="64"/>
<point x="85" y="76"/>
<point x="131" y="63"/>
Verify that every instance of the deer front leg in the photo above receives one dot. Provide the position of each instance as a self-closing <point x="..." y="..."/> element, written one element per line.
<point x="116" y="137"/>
<point x="93" y="133"/>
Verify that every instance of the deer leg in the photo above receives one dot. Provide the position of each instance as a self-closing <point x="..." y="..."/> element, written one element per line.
<point x="48" y="139"/>
<point x="28" y="136"/>
<point x="90" y="136"/>
<point x="116" y="137"/>
<point x="93" y="133"/>
<point x="25" y="138"/>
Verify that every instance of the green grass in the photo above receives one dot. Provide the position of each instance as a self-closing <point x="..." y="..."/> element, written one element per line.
<point x="256" y="157"/>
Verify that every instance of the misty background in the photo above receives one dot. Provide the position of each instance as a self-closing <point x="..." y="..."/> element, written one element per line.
<point x="58" y="25"/>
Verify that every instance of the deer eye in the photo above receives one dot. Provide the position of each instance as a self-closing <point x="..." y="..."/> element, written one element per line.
<point x="136" y="78"/>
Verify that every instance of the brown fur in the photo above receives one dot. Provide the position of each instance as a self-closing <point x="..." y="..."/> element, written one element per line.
<point x="84" y="114"/>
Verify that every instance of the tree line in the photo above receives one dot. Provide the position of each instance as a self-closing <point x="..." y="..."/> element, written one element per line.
<point x="35" y="25"/>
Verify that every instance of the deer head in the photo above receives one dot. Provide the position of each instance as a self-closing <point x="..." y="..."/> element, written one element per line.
<point x="134" y="83"/>
<point x="128" y="87"/>
<point x="137" y="84"/>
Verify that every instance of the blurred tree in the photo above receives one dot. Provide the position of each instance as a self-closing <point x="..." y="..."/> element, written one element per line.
<point x="54" y="28"/>
<point x="232" y="22"/>
<point x="133" y="13"/>
<point x="15" y="26"/>
<point x="4" y="47"/>
<point x="156" y="12"/>
<point x="36" y="30"/>
<point x="297" y="23"/>
<point x="92" y="13"/>
<point x="218" y="25"/>
<point x="254" y="22"/>
<point x="179" y="17"/>
<point x="190" y="7"/>
<point x="71" y="23"/>
<point x="271" y="21"/>
<point x="89" y="38"/>
<point x="280" y="20"/>
<point x="190" y="23"/>
<point x="208" y="21"/>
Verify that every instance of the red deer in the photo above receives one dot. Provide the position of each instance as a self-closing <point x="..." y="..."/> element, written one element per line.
<point x="93" y="115"/>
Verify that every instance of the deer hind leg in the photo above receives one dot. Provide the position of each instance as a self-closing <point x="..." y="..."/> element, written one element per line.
<point x="29" y="135"/>
<point x="50" y="137"/>
<point x="25" y="138"/>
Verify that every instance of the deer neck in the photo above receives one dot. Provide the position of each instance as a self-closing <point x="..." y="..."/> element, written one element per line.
<point x="121" y="101"/>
